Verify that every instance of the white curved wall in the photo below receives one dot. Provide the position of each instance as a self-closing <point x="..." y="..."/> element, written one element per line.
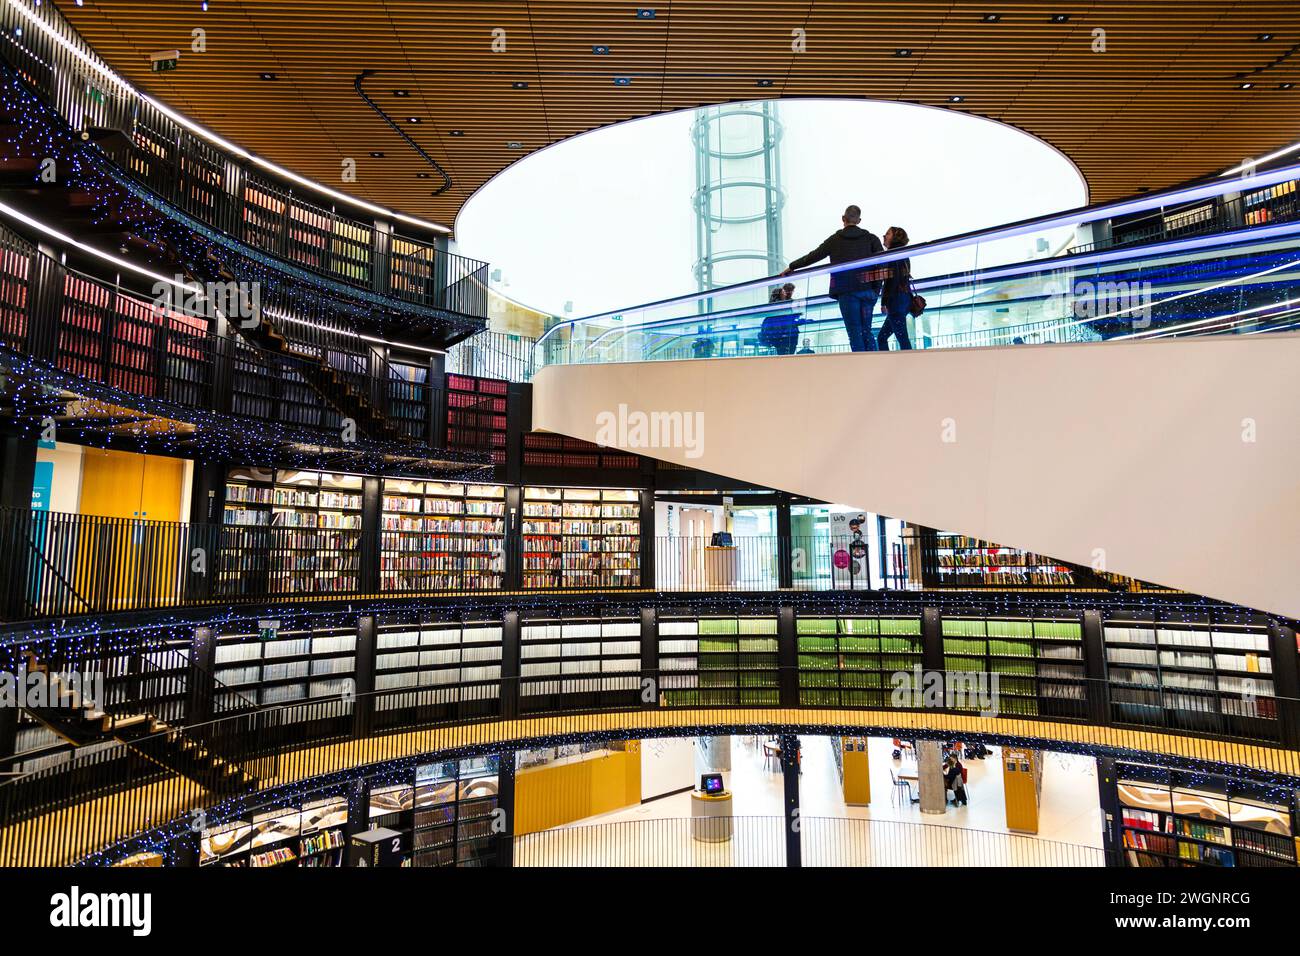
<point x="1176" y="461"/>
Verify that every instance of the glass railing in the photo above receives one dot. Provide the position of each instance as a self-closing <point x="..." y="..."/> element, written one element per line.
<point x="1047" y="280"/>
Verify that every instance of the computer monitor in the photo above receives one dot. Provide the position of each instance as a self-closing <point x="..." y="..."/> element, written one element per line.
<point x="722" y="539"/>
<point x="711" y="783"/>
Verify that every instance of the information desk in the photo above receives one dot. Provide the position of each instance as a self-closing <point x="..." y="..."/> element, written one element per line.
<point x="720" y="565"/>
<point x="711" y="816"/>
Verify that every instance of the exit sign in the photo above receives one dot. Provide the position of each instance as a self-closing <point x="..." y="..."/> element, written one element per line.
<point x="164" y="60"/>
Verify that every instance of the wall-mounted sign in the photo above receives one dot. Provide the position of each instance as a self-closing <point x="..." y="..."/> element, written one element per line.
<point x="267" y="630"/>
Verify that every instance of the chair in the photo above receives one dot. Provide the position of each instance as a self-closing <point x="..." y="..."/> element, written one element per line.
<point x="899" y="787"/>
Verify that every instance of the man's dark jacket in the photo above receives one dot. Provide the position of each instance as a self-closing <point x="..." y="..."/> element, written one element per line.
<point x="847" y="245"/>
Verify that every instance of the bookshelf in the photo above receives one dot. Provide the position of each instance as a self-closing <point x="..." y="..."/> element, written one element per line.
<point x="848" y="661"/>
<point x="1265" y="205"/>
<point x="408" y="405"/>
<point x="572" y="661"/>
<point x="308" y="836"/>
<point x="962" y="561"/>
<point x="545" y="450"/>
<point x="581" y="538"/>
<point x="1209" y="676"/>
<point x="296" y="665"/>
<point x="455" y="803"/>
<point x="297" y="531"/>
<point x="1171" y="819"/>
<point x="708" y="661"/>
<point x="476" y="415"/>
<point x="1038" y="661"/>
<point x="436" y="669"/>
<point x="442" y="536"/>
<point x="14" y="268"/>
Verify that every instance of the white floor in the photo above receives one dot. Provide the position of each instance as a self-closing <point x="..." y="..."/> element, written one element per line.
<point x="1068" y="814"/>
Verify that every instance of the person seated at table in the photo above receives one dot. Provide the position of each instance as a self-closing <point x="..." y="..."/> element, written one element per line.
<point x="952" y="780"/>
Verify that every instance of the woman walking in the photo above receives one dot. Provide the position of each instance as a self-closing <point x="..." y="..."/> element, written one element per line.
<point x="896" y="297"/>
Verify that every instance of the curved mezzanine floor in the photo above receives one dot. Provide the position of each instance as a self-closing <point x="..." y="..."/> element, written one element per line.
<point x="80" y="831"/>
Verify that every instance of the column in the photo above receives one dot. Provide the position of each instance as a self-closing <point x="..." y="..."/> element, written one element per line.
<point x="435" y="433"/>
<point x="1094" y="669"/>
<point x="929" y="762"/>
<point x="513" y="578"/>
<point x="790" y="802"/>
<point x="17" y="528"/>
<point x="787" y="656"/>
<point x="648" y="538"/>
<point x="8" y="737"/>
<point x="201" y="682"/>
<point x="784" y="542"/>
<point x="371" y="535"/>
<point x="650" y="689"/>
<point x="363" y="704"/>
<point x="1111" y="813"/>
<point x="17" y="471"/>
<point x="1286" y="683"/>
<point x="207" y="501"/>
<point x="503" y="823"/>
<point x="510" y="690"/>
<point x="519" y="421"/>
<point x="358" y="809"/>
<point x="931" y="641"/>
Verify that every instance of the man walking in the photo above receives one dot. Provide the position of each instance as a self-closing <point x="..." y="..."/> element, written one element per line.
<point x="852" y="289"/>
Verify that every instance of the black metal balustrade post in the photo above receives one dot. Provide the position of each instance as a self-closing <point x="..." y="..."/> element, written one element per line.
<point x="368" y="576"/>
<point x="784" y="547"/>
<point x="931" y="640"/>
<point x="198" y="708"/>
<point x="650" y="689"/>
<point x="1111" y="813"/>
<point x="787" y="656"/>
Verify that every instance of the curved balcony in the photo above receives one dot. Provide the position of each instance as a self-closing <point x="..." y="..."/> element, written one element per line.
<point x="320" y="692"/>
<point x="225" y="195"/>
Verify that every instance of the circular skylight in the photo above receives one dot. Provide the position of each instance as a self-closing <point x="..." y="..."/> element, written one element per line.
<point x="608" y="219"/>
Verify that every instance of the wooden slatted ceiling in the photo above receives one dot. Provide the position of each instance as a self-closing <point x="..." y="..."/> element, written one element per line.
<point x="1161" y="105"/>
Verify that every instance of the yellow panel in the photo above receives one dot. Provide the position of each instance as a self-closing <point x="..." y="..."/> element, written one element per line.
<point x="555" y="794"/>
<point x="110" y="483"/>
<point x="857" y="772"/>
<point x="1020" y="785"/>
<point x="160" y="492"/>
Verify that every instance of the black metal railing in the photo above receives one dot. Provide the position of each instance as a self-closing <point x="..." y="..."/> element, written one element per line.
<point x="760" y="841"/>
<point x="222" y="189"/>
<point x="497" y="355"/>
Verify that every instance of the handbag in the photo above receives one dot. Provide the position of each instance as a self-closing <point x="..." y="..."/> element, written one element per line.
<point x="918" y="301"/>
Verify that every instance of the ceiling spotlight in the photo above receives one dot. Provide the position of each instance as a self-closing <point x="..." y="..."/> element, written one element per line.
<point x="202" y="6"/>
<point x="421" y="175"/>
<point x="956" y="99"/>
<point x="992" y="17"/>
<point x="401" y="92"/>
<point x="645" y="13"/>
<point x="1285" y="86"/>
<point x="519" y="85"/>
<point x="622" y="81"/>
<point x="514" y="144"/>
<point x="456" y="132"/>
<point x="903" y="52"/>
<point x="1247" y="86"/>
<point x="377" y="155"/>
<point x="267" y="76"/>
<point x="1264" y="37"/>
<point x="764" y="83"/>
<point x="413" y="119"/>
<point x="600" y="50"/>
<point x="1060" y="18"/>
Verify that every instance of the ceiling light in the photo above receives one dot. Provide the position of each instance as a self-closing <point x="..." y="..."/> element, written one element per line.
<point x="1060" y="17"/>
<point x="401" y="92"/>
<point x="645" y="13"/>
<point x="267" y="76"/>
<point x="992" y="17"/>
<point x="413" y="119"/>
<point x="622" y="81"/>
<point x="421" y="175"/>
<point x="519" y="85"/>
<point x="377" y="155"/>
<point x="764" y="82"/>
<point x="1285" y="86"/>
<point x="514" y="144"/>
<point x="600" y="50"/>
<point x="903" y="51"/>
<point x="456" y="132"/>
<point x="1247" y="86"/>
<point x="956" y="99"/>
<point x="1264" y="37"/>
